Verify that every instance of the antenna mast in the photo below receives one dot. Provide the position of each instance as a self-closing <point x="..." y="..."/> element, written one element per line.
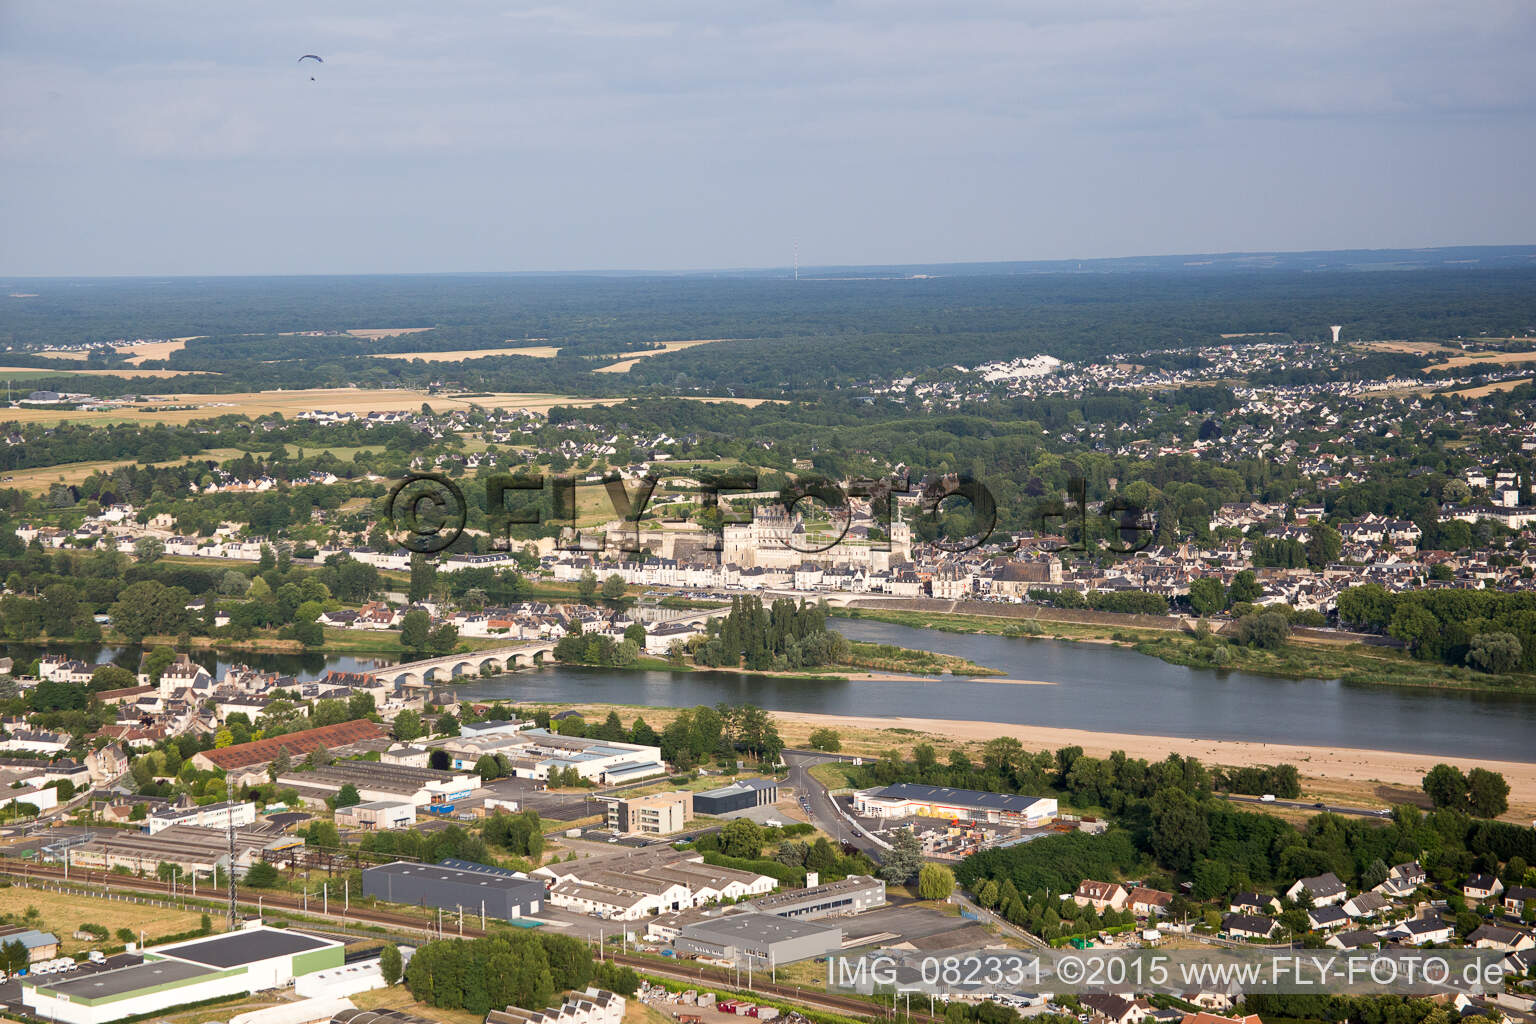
<point x="229" y="781"/>
<point x="797" y="259"/>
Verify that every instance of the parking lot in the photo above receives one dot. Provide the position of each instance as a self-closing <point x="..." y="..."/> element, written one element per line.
<point x="10" y="991"/>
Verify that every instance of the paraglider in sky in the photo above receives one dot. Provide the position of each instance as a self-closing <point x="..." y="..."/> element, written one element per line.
<point x="311" y="56"/>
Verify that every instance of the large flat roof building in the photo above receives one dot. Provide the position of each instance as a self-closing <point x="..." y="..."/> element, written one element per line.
<point x="502" y="896"/>
<point x="852" y="895"/>
<point x="297" y="744"/>
<point x="908" y="799"/>
<point x="762" y="939"/>
<point x="250" y="960"/>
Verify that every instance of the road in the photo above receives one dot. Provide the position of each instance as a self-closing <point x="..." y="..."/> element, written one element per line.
<point x="1302" y="805"/>
<point x="816" y="803"/>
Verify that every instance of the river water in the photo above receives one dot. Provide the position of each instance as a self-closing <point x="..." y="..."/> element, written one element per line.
<point x="1092" y="687"/>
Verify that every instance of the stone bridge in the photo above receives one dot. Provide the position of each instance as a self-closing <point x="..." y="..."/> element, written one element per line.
<point x="492" y="660"/>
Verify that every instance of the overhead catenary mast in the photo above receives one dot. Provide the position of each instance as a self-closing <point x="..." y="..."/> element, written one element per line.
<point x="229" y="781"/>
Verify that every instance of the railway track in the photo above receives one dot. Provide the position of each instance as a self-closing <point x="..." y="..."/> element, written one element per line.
<point x="714" y="977"/>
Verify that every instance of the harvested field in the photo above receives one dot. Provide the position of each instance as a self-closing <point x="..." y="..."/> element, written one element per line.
<point x="626" y="364"/>
<point x="129" y="374"/>
<point x="39" y="479"/>
<point x="1473" y="358"/>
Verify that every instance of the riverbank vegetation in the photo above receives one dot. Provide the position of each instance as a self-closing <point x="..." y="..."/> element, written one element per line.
<point x="890" y="658"/>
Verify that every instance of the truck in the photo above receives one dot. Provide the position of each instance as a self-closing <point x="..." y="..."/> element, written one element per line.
<point x="1267" y="798"/>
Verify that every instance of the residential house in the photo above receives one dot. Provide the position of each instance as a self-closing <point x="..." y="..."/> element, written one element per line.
<point x="1420" y="931"/>
<point x="1495" y="936"/>
<point x="1114" y="1009"/>
<point x="1248" y="926"/>
<point x="1327" y="918"/>
<point x="1254" y="903"/>
<point x="1403" y="880"/>
<point x="1146" y="902"/>
<point x="1366" y="905"/>
<point x="1324" y="889"/>
<point x="1516" y="897"/>
<point x="1100" y="896"/>
<point x="1480" y="887"/>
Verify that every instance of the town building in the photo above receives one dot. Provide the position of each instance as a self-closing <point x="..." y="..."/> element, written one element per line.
<point x="218" y="816"/>
<point x="659" y="814"/>
<point x="377" y="815"/>
<point x="852" y="895"/>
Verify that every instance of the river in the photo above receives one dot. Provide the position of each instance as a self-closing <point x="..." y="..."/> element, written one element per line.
<point x="1094" y="686"/>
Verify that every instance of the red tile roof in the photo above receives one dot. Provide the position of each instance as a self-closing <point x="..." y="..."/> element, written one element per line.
<point x="244" y="755"/>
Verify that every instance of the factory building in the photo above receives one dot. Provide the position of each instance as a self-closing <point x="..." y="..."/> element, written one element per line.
<point x="378" y="781"/>
<point x="250" y="960"/>
<point x="738" y="796"/>
<point x="764" y="940"/>
<point x="195" y="850"/>
<point x="209" y="816"/>
<point x="497" y="894"/>
<point x="377" y="815"/>
<point x="853" y="895"/>
<point x="909" y="799"/>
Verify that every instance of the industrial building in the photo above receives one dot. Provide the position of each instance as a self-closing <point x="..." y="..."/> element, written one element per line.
<point x="659" y="814"/>
<point x="196" y="851"/>
<point x="738" y="796"/>
<point x="502" y="895"/>
<point x="259" y="753"/>
<point x="374" y="815"/>
<point x="853" y="895"/>
<point x="762" y="940"/>
<point x="377" y="781"/>
<point x="634" y="885"/>
<point x="209" y="816"/>
<point x="908" y="799"/>
<point x="250" y="960"/>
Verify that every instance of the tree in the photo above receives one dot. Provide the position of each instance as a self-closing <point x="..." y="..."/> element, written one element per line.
<point x="1323" y="546"/>
<point x="389" y="964"/>
<point x="111" y="677"/>
<point x="1267" y="631"/>
<point x="443" y="638"/>
<point x="408" y="726"/>
<point x="423" y="575"/>
<point x="261" y="875"/>
<point x="1446" y="786"/>
<point x="613" y="587"/>
<point x="1245" y="588"/>
<point x="1207" y="596"/>
<point x="1495" y="653"/>
<point x="148" y="549"/>
<point x="935" y="882"/>
<point x="14" y="957"/>
<point x="347" y="796"/>
<point x="826" y="739"/>
<point x="987" y="894"/>
<point x="415" y="629"/>
<point x="741" y="838"/>
<point x="903" y="859"/>
<point x="1179" y="828"/>
<point x="1487" y="793"/>
<point x="586" y="587"/>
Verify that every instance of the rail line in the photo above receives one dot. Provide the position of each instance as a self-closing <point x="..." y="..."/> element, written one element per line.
<point x="715" y="977"/>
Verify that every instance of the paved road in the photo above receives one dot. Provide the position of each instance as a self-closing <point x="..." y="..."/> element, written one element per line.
<point x="1359" y="812"/>
<point x="819" y="805"/>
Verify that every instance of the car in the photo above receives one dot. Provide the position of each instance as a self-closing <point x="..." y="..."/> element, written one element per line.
<point x="1321" y="805"/>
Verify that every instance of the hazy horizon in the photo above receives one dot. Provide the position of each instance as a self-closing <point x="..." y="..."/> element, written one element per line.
<point x="174" y="139"/>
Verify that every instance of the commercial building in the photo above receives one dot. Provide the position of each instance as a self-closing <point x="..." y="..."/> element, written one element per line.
<point x="251" y="960"/>
<point x="503" y="896"/>
<point x="376" y="781"/>
<point x="40" y="945"/>
<point x="376" y="815"/>
<point x="659" y="814"/>
<point x="853" y="895"/>
<point x="738" y="796"/>
<point x="639" y="884"/>
<point x="210" y="816"/>
<point x="761" y="939"/>
<point x="908" y="799"/>
<point x="258" y="753"/>
<point x="536" y="753"/>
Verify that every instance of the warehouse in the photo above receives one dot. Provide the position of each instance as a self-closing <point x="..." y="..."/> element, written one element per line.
<point x="374" y="815"/>
<point x="853" y="895"/>
<point x="377" y="781"/>
<point x="194" y="850"/>
<point x="760" y="939"/>
<point x="738" y="796"/>
<point x="494" y="894"/>
<point x="258" y="753"/>
<point x="251" y="960"/>
<point x="908" y="799"/>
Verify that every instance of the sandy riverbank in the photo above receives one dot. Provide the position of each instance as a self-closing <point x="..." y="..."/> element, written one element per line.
<point x="1345" y="765"/>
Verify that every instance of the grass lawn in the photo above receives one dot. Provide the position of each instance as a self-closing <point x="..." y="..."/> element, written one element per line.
<point x="63" y="913"/>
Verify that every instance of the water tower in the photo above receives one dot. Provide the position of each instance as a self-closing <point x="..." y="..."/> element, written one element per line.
<point x="1336" y="328"/>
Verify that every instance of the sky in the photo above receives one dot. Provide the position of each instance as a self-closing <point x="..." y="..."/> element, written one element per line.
<point x="183" y="138"/>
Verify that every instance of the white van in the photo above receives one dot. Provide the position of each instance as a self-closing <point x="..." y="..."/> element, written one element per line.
<point x="1267" y="798"/>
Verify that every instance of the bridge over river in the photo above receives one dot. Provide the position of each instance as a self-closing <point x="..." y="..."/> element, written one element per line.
<point x="496" y="660"/>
